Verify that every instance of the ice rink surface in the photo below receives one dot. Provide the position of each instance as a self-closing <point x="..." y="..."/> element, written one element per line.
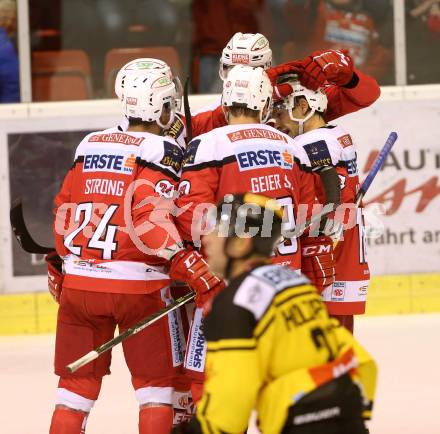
<point x="408" y="399"/>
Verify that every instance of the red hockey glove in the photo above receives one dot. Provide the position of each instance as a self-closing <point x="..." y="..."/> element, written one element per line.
<point x="55" y="275"/>
<point x="190" y="267"/>
<point x="317" y="261"/>
<point x="334" y="67"/>
<point x="289" y="67"/>
<point x="280" y="91"/>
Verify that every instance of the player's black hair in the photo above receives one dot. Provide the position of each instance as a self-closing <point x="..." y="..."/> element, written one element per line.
<point x="248" y="213"/>
<point x="242" y="110"/>
<point x="136" y="122"/>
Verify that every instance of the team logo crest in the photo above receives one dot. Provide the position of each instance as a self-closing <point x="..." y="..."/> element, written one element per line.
<point x="338" y="291"/>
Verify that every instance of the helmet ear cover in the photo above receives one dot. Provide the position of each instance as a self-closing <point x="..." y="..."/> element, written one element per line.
<point x="316" y="100"/>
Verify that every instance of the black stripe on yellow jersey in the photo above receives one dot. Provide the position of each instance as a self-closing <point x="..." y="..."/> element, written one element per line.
<point x="272" y="347"/>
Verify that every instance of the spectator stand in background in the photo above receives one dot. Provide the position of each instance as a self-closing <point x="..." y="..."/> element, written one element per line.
<point x="9" y="73"/>
<point x="423" y="41"/>
<point x="62" y="75"/>
<point x="98" y="26"/>
<point x="118" y="57"/>
<point x="363" y="27"/>
<point x="214" y="22"/>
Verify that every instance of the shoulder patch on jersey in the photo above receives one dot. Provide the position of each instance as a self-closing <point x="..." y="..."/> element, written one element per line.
<point x="254" y="295"/>
<point x="345" y="140"/>
<point x="318" y="153"/>
<point x="122" y="138"/>
<point x="190" y="152"/>
<point x="280" y="277"/>
<point x="176" y="128"/>
<point x="172" y="156"/>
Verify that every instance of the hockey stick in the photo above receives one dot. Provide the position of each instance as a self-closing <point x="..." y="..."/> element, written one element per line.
<point x="187" y="110"/>
<point x="378" y="163"/>
<point x="21" y="232"/>
<point x="141" y="325"/>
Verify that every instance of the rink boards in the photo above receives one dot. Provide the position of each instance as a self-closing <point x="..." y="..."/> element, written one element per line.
<point x="36" y="145"/>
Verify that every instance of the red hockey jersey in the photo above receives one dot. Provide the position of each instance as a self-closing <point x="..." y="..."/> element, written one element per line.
<point x="333" y="146"/>
<point x="245" y="158"/>
<point x="112" y="212"/>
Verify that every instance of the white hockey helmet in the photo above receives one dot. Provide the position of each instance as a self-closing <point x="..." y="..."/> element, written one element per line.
<point x="147" y="94"/>
<point x="146" y="64"/>
<point x="316" y="99"/>
<point x="245" y="49"/>
<point x="249" y="87"/>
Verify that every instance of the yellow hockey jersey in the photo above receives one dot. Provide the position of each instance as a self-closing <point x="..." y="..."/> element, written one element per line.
<point x="271" y="344"/>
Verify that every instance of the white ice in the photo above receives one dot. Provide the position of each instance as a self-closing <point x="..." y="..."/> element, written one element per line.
<point x="408" y="398"/>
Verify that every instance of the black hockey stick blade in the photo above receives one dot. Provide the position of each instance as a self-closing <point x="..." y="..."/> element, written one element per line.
<point x="21" y="232"/>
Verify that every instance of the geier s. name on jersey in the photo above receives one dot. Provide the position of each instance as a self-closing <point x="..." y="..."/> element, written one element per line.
<point x="245" y="158"/>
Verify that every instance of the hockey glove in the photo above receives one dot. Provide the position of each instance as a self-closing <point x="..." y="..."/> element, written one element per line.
<point x="317" y="260"/>
<point x="280" y="91"/>
<point x="55" y="275"/>
<point x="190" y="267"/>
<point x="331" y="66"/>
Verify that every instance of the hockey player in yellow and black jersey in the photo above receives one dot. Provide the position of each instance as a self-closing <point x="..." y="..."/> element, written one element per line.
<point x="271" y="344"/>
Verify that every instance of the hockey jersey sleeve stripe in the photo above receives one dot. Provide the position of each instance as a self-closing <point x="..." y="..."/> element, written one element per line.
<point x="155" y="167"/>
<point x="301" y="165"/>
<point x="202" y="425"/>
<point x="207" y="164"/>
<point x="78" y="160"/>
<point x="232" y="345"/>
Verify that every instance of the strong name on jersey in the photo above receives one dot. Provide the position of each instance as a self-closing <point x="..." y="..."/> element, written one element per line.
<point x="241" y="158"/>
<point x="112" y="212"/>
<point x="333" y="146"/>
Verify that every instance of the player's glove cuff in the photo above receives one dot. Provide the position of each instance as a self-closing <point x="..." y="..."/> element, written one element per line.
<point x="317" y="260"/>
<point x="55" y="275"/>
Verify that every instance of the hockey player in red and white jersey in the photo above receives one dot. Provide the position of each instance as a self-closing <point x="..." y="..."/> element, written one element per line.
<point x="333" y="158"/>
<point x="248" y="156"/>
<point x="347" y="89"/>
<point x="120" y="249"/>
